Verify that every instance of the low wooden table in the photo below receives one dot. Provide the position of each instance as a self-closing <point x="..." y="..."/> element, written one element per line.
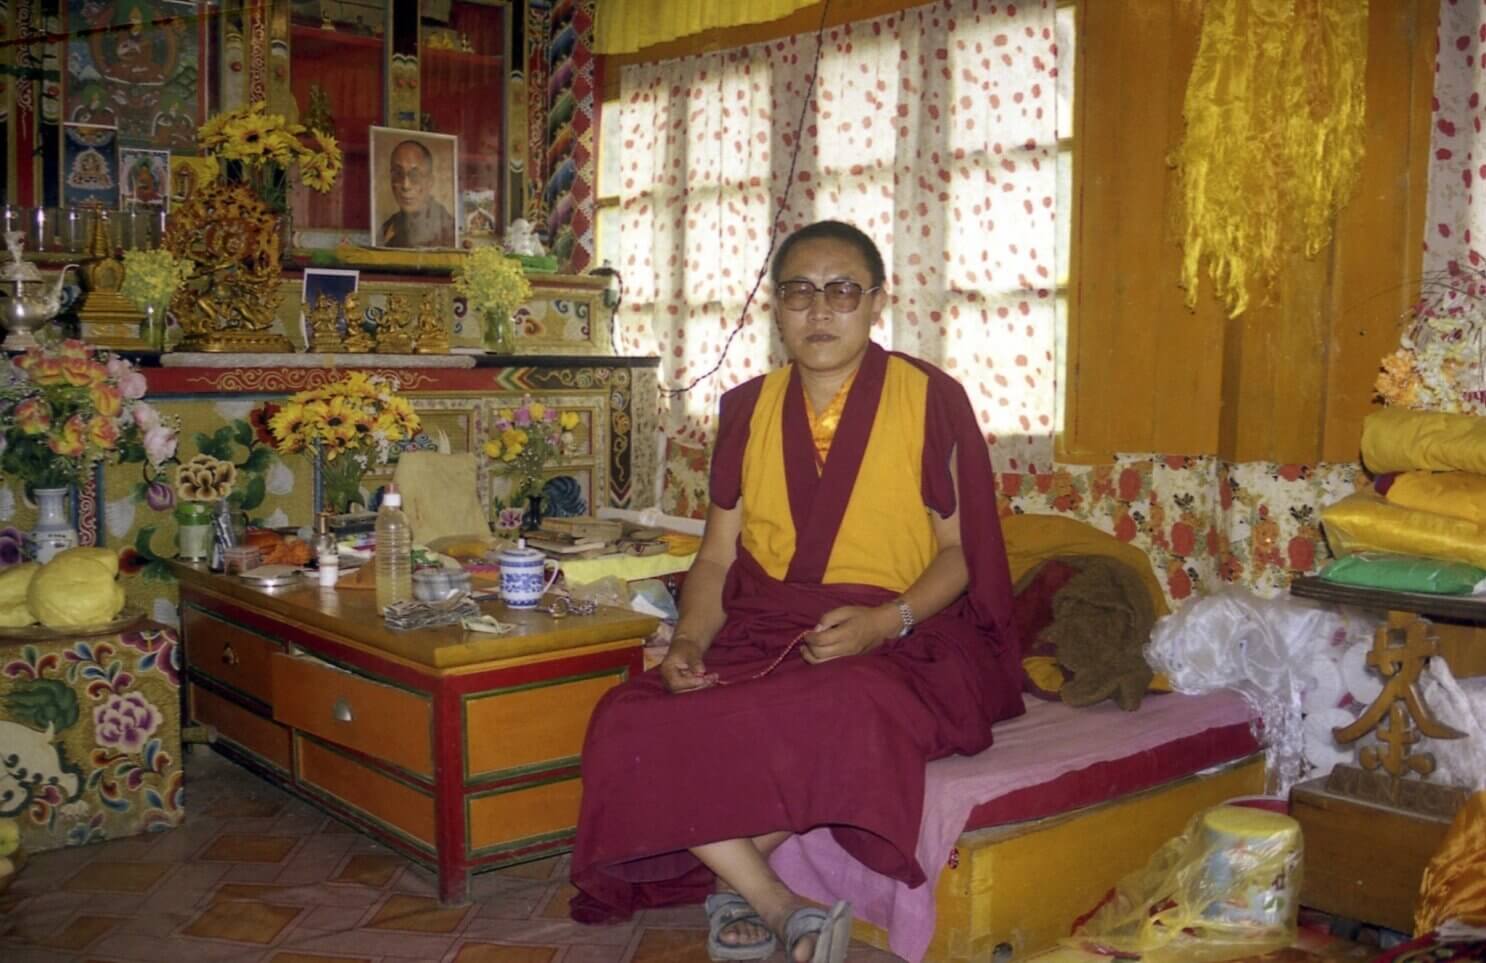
<point x="456" y="748"/>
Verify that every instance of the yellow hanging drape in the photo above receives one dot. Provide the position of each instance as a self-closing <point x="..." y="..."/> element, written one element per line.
<point x="1273" y="148"/>
<point x="624" y="26"/>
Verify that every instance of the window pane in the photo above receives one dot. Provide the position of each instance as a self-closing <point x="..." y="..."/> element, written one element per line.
<point x="1060" y="359"/>
<point x="609" y="143"/>
<point x="1065" y="40"/>
<point x="1064" y="213"/>
<point x="606" y="235"/>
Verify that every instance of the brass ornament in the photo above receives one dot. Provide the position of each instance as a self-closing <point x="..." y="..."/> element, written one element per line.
<point x="432" y="337"/>
<point x="107" y="318"/>
<point x="395" y="327"/>
<point x="324" y="320"/>
<point x="232" y="239"/>
<point x="358" y="341"/>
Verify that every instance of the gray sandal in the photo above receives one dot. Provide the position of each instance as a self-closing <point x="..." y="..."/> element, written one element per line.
<point x="724" y="910"/>
<point x="832" y="931"/>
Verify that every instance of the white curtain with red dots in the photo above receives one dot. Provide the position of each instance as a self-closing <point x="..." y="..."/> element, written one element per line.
<point x="1453" y="222"/>
<point x="933" y="130"/>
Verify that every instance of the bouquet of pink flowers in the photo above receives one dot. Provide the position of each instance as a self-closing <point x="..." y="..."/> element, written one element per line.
<point x="65" y="407"/>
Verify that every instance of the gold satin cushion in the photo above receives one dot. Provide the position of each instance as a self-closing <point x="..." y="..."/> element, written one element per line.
<point x="1367" y="522"/>
<point x="1454" y="884"/>
<point x="1397" y="439"/>
<point x="1459" y="494"/>
<point x="440" y="495"/>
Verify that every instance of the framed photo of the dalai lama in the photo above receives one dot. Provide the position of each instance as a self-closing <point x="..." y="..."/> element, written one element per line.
<point x="414" y="189"/>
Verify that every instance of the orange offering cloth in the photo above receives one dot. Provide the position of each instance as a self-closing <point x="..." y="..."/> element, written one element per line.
<point x="840" y="744"/>
<point x="1454" y="885"/>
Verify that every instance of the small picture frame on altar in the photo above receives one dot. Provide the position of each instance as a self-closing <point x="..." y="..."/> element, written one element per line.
<point x="333" y="283"/>
<point x="414" y="189"/>
<point x="144" y="178"/>
<point x="90" y="166"/>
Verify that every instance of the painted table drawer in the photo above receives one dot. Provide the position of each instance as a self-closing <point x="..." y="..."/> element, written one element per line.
<point x="531" y="727"/>
<point x="242" y="726"/>
<point x="520" y="816"/>
<point x="390" y="803"/>
<point x="229" y="653"/>
<point x="384" y="722"/>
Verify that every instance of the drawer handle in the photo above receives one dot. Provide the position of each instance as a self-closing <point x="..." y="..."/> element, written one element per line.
<point x="341" y="711"/>
<point x="229" y="657"/>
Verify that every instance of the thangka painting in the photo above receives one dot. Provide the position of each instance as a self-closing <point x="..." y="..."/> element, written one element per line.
<point x="90" y="166"/>
<point x="144" y="178"/>
<point x="134" y="65"/>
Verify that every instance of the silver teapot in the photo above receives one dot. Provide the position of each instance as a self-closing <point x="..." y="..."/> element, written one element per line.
<point x="27" y="300"/>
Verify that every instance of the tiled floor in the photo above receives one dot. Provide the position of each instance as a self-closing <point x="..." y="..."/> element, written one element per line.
<point x="255" y="874"/>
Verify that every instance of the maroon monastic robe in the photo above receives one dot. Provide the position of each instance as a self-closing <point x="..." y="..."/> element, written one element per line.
<point x="841" y="744"/>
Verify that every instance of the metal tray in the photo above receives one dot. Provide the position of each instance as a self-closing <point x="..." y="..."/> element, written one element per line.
<point x="41" y="633"/>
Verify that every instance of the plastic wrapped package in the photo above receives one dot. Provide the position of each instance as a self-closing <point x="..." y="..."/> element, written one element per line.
<point x="1265" y="649"/>
<point x="1227" y="887"/>
<point x="1367" y="522"/>
<point x="1404" y="573"/>
<point x="1460" y="704"/>
<point x="1400" y="439"/>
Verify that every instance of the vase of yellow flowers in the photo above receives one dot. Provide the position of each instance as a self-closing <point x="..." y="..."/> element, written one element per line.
<point x="151" y="279"/>
<point x="493" y="286"/>
<point x="526" y="439"/>
<point x="254" y="147"/>
<point x="349" y="426"/>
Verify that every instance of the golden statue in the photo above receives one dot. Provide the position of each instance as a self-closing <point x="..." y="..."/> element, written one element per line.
<point x="324" y="322"/>
<point x="430" y="332"/>
<point x="230" y="301"/>
<point x="357" y="340"/>
<point x="395" y="327"/>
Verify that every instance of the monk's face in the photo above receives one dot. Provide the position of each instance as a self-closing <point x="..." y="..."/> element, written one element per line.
<point x="412" y="179"/>
<point x="827" y="333"/>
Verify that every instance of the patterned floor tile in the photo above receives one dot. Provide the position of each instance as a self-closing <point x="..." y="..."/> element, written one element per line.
<point x="418" y="914"/>
<point x="242" y="921"/>
<point x="369" y="870"/>
<point x="314" y="958"/>
<point x="541" y="869"/>
<point x="671" y="946"/>
<point x="118" y="877"/>
<point x="495" y="953"/>
<point x="81" y="932"/>
<point x="249" y="848"/>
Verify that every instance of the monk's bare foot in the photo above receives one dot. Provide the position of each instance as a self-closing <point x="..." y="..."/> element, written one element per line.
<point x="777" y="916"/>
<point x="740" y="932"/>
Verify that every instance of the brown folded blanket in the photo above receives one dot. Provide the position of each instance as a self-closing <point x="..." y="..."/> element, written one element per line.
<point x="1102" y="620"/>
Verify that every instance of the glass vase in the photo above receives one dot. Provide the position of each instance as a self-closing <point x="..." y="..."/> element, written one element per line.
<point x="496" y="332"/>
<point x="54" y="531"/>
<point x="340" y="482"/>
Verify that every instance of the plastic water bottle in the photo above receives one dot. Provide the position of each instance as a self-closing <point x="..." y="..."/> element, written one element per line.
<point x="394" y="553"/>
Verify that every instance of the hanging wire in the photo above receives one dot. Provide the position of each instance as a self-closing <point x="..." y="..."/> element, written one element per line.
<point x="774" y="229"/>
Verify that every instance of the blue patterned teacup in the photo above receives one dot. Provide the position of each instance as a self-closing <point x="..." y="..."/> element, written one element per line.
<point x="523" y="577"/>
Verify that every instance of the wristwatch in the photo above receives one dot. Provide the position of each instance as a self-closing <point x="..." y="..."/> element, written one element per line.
<point x="905" y="613"/>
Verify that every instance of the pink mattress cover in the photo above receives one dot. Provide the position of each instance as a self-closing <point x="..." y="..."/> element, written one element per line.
<point x="1048" y="742"/>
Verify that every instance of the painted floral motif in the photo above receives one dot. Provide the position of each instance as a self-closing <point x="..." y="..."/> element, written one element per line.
<point x="96" y="719"/>
<point x="125" y="722"/>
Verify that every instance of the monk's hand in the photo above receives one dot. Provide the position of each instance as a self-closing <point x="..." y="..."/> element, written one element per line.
<point x="683" y="669"/>
<point x="850" y="630"/>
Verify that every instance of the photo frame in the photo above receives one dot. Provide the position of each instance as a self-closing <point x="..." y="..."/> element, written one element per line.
<point x="414" y="188"/>
<point x="90" y="166"/>
<point x="335" y="282"/>
<point x="144" y="178"/>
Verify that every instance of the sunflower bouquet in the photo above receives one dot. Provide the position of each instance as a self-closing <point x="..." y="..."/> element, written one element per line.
<point x="350" y="424"/>
<point x="255" y="147"/>
<point x="526" y="439"/>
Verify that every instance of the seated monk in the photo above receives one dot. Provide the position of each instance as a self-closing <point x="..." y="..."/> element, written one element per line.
<point x="847" y="620"/>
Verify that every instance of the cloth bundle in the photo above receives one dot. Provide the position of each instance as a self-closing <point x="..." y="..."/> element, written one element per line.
<point x="1435" y="504"/>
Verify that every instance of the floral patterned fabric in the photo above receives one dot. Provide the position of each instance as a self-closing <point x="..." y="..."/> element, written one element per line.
<point x="932" y="129"/>
<point x="98" y="720"/>
<point x="1452" y="221"/>
<point x="1202" y="522"/>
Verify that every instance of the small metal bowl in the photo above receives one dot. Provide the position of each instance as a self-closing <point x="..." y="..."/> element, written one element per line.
<point x="436" y="584"/>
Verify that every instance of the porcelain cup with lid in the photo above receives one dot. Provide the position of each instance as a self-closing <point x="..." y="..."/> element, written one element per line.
<point x="524" y="577"/>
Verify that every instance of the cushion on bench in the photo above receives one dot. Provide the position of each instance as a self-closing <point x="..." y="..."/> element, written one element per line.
<point x="1051" y="760"/>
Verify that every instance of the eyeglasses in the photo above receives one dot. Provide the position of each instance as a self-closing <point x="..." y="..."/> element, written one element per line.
<point x="841" y="296"/>
<point x="409" y="175"/>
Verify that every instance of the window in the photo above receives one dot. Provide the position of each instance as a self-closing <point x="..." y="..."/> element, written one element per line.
<point x="1067" y="39"/>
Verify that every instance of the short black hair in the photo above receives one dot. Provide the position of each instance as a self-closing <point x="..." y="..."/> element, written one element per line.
<point x="427" y="154"/>
<point x="835" y="231"/>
